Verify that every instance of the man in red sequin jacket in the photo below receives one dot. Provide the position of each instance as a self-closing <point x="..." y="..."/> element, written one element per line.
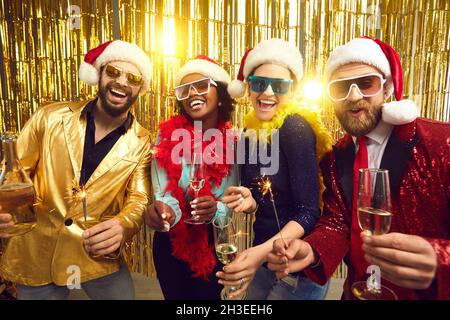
<point x="414" y="257"/>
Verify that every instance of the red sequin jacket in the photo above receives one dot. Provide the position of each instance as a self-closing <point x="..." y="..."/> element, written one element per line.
<point x="417" y="157"/>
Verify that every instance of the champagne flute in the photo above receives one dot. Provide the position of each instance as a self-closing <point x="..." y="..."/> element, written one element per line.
<point x="226" y="244"/>
<point x="374" y="216"/>
<point x="196" y="182"/>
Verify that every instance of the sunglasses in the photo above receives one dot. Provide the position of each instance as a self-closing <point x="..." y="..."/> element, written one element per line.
<point x="260" y="84"/>
<point x="200" y="87"/>
<point x="115" y="72"/>
<point x="368" y="85"/>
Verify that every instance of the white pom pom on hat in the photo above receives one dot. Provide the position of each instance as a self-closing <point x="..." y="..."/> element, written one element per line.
<point x="115" y="50"/>
<point x="271" y="51"/>
<point x="236" y="89"/>
<point x="380" y="55"/>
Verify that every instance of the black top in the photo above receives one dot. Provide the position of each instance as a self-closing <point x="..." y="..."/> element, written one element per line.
<point x="94" y="153"/>
<point x="295" y="185"/>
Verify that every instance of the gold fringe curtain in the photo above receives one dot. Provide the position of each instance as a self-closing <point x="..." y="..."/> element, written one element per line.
<point x="42" y="43"/>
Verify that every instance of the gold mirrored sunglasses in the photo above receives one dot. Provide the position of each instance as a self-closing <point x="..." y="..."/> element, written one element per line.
<point x="115" y="72"/>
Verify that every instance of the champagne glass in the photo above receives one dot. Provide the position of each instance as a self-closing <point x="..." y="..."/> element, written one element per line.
<point x="196" y="182"/>
<point x="226" y="244"/>
<point x="374" y="216"/>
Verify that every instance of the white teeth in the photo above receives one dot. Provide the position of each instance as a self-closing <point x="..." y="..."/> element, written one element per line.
<point x="123" y="94"/>
<point x="195" y="103"/>
<point x="266" y="104"/>
<point x="267" y="101"/>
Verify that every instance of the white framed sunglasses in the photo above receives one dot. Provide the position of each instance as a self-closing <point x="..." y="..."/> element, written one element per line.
<point x="368" y="85"/>
<point x="201" y="87"/>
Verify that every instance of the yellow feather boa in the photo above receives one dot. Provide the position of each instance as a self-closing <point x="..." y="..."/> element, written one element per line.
<point x="308" y="112"/>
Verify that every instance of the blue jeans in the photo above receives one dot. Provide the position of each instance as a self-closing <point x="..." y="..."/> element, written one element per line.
<point x="115" y="286"/>
<point x="265" y="286"/>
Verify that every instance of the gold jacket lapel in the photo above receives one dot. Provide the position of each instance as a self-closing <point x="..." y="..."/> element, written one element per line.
<point x="110" y="160"/>
<point x="74" y="131"/>
<point x="120" y="151"/>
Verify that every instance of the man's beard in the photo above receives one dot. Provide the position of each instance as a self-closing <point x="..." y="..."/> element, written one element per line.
<point x="112" y="110"/>
<point x="362" y="125"/>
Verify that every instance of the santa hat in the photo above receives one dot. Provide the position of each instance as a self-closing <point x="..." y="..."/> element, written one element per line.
<point x="205" y="66"/>
<point x="272" y="51"/>
<point x="380" y="55"/>
<point x="116" y="50"/>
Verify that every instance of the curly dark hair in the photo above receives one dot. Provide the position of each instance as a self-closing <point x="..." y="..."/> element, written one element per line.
<point x="226" y="103"/>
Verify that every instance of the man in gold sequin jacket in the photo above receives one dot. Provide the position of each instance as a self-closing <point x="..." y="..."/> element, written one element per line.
<point x="98" y="146"/>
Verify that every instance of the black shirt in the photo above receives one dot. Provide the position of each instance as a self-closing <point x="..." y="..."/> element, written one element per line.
<point x="94" y="153"/>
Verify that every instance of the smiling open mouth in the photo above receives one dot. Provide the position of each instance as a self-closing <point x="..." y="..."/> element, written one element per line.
<point x="117" y="93"/>
<point x="196" y="104"/>
<point x="266" y="105"/>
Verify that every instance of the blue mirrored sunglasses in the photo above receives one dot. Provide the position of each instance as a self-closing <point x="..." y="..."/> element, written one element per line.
<point x="260" y="84"/>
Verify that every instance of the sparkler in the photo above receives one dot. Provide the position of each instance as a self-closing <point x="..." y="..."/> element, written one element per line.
<point x="83" y="196"/>
<point x="83" y="201"/>
<point x="265" y="185"/>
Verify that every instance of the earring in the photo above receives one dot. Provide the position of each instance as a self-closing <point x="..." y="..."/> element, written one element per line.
<point x="220" y="104"/>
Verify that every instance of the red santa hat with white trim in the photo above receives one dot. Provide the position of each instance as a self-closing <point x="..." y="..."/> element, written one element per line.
<point x="380" y="55"/>
<point x="271" y="51"/>
<point x="205" y="66"/>
<point x="116" y="50"/>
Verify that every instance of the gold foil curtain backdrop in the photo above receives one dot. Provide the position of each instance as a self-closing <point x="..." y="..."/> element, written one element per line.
<point x="41" y="49"/>
<point x="42" y="43"/>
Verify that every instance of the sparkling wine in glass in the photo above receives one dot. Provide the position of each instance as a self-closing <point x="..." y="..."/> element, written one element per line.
<point x="196" y="181"/>
<point x="376" y="221"/>
<point x="226" y="243"/>
<point x="226" y="252"/>
<point x="374" y="216"/>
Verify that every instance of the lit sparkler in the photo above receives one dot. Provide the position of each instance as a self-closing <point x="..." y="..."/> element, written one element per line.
<point x="83" y="201"/>
<point x="265" y="185"/>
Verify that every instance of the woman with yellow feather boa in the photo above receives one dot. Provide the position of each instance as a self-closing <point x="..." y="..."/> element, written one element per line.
<point x="272" y="70"/>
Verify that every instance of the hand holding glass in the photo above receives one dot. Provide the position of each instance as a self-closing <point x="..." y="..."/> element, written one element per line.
<point x="374" y="216"/>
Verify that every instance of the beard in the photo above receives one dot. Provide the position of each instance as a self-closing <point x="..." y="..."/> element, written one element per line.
<point x="113" y="110"/>
<point x="362" y="125"/>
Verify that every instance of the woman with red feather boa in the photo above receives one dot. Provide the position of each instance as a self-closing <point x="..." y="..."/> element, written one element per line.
<point x="184" y="253"/>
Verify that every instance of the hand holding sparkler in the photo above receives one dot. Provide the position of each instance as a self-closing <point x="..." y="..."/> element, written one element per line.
<point x="104" y="238"/>
<point x="288" y="256"/>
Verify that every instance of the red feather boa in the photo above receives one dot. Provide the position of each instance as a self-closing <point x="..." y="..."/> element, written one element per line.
<point x="190" y="242"/>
